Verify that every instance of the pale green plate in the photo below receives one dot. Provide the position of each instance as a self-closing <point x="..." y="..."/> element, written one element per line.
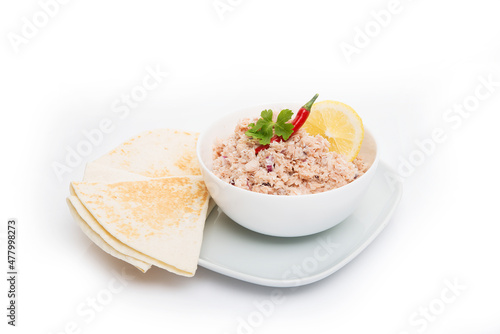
<point x="235" y="251"/>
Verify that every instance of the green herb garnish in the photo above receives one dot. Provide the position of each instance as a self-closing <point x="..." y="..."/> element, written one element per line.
<point x="264" y="129"/>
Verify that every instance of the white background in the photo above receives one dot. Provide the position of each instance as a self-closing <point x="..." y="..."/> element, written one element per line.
<point x="429" y="56"/>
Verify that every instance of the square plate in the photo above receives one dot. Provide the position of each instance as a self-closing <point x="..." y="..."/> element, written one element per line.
<point x="235" y="251"/>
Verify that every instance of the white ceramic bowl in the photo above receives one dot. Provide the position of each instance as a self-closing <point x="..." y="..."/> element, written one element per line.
<point x="283" y="216"/>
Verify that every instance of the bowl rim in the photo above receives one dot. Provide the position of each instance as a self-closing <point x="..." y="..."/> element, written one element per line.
<point x="344" y="188"/>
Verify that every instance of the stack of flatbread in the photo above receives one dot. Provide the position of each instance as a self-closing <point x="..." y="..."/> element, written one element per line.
<point x="145" y="202"/>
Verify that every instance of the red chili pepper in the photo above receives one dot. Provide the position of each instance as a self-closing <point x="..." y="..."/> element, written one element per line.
<point x="299" y="120"/>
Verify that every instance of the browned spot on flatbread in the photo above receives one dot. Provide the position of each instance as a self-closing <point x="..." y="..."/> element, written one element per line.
<point x="155" y="173"/>
<point x="128" y="231"/>
<point x="164" y="202"/>
<point x="188" y="163"/>
<point x="120" y="150"/>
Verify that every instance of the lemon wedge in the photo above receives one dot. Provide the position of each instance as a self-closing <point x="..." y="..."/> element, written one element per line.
<point x="339" y="124"/>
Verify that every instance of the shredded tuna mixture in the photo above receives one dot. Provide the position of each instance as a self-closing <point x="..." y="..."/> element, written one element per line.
<point x="301" y="165"/>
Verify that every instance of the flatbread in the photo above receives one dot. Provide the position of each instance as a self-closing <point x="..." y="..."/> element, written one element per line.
<point x="161" y="219"/>
<point x="156" y="153"/>
<point x="78" y="212"/>
<point x="96" y="172"/>
<point x="95" y="232"/>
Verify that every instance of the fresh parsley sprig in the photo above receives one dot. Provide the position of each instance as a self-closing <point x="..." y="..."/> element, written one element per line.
<point x="265" y="128"/>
